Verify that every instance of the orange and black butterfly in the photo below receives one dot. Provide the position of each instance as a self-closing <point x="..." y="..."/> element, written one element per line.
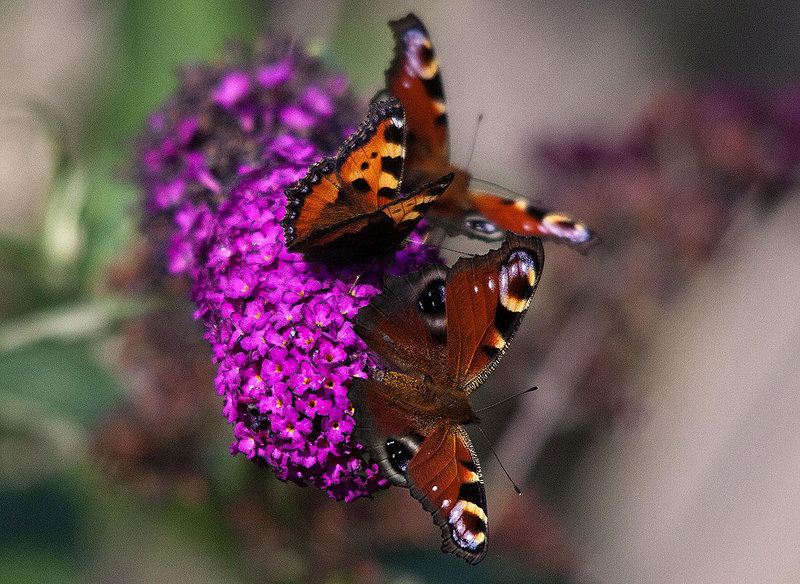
<point x="414" y="77"/>
<point x="441" y="332"/>
<point x="349" y="208"/>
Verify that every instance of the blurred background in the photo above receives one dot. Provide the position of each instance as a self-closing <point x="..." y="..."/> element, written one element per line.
<point x="662" y="443"/>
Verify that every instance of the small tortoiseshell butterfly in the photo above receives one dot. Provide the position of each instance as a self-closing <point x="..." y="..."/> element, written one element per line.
<point x="349" y="208"/>
<point x="414" y="78"/>
<point x="441" y="332"/>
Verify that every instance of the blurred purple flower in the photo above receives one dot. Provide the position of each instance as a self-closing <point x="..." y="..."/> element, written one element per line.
<point x="661" y="193"/>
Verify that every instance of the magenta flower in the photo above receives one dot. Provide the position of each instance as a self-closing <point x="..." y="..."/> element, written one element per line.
<point x="214" y="165"/>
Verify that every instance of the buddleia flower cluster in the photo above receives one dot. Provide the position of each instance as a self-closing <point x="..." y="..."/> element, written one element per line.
<point x="214" y="163"/>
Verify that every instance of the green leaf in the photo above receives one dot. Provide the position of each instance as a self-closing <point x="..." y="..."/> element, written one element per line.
<point x="51" y="382"/>
<point x="360" y="28"/>
<point x="110" y="217"/>
<point x="153" y="39"/>
<point x="33" y="566"/>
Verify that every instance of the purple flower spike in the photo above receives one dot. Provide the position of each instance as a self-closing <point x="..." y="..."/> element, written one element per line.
<point x="288" y="398"/>
<point x="214" y="164"/>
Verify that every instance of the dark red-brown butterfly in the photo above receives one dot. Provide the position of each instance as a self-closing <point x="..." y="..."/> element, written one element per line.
<point x="414" y="77"/>
<point x="441" y="332"/>
<point x="349" y="208"/>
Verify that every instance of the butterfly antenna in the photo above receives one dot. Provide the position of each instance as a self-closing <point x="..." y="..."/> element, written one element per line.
<point x="513" y="484"/>
<point x="360" y="275"/>
<point x="474" y="139"/>
<point x="502" y="401"/>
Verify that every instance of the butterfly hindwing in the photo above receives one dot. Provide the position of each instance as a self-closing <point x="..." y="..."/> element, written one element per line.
<point x="432" y="457"/>
<point x="414" y="77"/>
<point x="394" y="326"/>
<point x="349" y="208"/>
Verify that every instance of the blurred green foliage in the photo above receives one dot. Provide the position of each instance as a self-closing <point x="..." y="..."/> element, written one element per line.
<point x="54" y="382"/>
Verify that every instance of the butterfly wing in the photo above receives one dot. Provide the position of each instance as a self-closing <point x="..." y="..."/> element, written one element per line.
<point x="348" y="208"/>
<point x="367" y="236"/>
<point x="369" y="165"/>
<point x="414" y="78"/>
<point x="390" y="428"/>
<point x="431" y="457"/>
<point x="453" y="325"/>
<point x="487" y="216"/>
<point x="486" y="298"/>
<point x="408" y="334"/>
<point x="446" y="478"/>
<point x="523" y="218"/>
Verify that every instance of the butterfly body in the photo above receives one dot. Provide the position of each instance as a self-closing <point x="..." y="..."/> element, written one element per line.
<point x="414" y="77"/>
<point x="441" y="332"/>
<point x="432" y="401"/>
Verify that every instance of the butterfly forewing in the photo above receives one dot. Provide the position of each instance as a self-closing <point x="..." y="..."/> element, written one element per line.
<point x="454" y="325"/>
<point x="406" y="325"/>
<point x="370" y="235"/>
<point x="487" y="296"/>
<point x="414" y="77"/>
<point x="370" y="162"/>
<point x="522" y="217"/>
<point x="349" y="209"/>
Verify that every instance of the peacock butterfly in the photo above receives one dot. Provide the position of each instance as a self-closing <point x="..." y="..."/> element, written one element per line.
<point x="349" y="208"/>
<point x="414" y="77"/>
<point x="441" y="332"/>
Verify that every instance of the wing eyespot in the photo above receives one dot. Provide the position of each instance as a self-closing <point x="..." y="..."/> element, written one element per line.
<point x="400" y="454"/>
<point x="431" y="300"/>
<point x="482" y="226"/>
